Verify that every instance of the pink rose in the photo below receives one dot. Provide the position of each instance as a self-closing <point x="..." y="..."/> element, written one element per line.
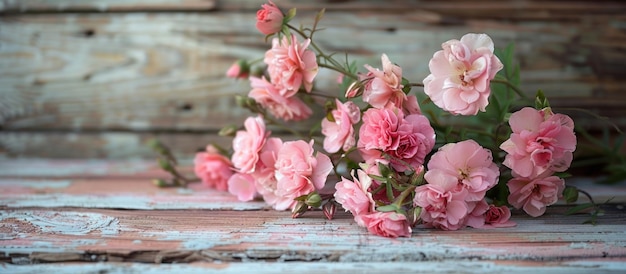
<point x="213" y="168"/>
<point x="406" y="140"/>
<point x="340" y="132"/>
<point x="498" y="216"/>
<point x="286" y="108"/>
<point x="353" y="195"/>
<point x="461" y="74"/>
<point x="386" y="224"/>
<point x="298" y="171"/>
<point x="248" y="143"/>
<point x="468" y="162"/>
<point x="476" y="214"/>
<point x="443" y="202"/>
<point x="264" y="175"/>
<point x="384" y="88"/>
<point x="534" y="195"/>
<point x="242" y="186"/>
<point x="290" y="65"/>
<point x="239" y="69"/>
<point x="410" y="106"/>
<point x="269" y="19"/>
<point x="540" y="141"/>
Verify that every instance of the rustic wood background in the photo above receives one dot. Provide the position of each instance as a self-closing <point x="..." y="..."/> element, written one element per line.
<point x="96" y="79"/>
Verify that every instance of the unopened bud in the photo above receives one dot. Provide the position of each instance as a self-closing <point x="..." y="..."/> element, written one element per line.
<point x="160" y="183"/>
<point x="299" y="209"/>
<point x="329" y="210"/>
<point x="229" y="130"/>
<point x="165" y="165"/>
<point x="313" y="200"/>
<point x="414" y="216"/>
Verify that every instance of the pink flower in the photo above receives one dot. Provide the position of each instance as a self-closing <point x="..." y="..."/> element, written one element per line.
<point x="298" y="171"/>
<point x="269" y="97"/>
<point x="410" y="106"/>
<point x="461" y="74"/>
<point x="534" y="195"/>
<point x="540" y="141"/>
<point x="269" y="19"/>
<point x="469" y="163"/>
<point x="239" y="69"/>
<point x="387" y="224"/>
<point x="498" y="216"/>
<point x="248" y="143"/>
<point x="290" y="65"/>
<point x="265" y="175"/>
<point x="353" y="195"/>
<point x="340" y="132"/>
<point x="213" y="168"/>
<point x="443" y="202"/>
<point x="242" y="186"/>
<point x="406" y="140"/>
<point x="384" y="88"/>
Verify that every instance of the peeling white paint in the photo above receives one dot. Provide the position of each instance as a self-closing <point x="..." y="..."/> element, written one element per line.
<point x="36" y="184"/>
<point x="63" y="222"/>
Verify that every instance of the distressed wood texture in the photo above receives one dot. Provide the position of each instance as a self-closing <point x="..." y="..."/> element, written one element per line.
<point x="99" y="215"/>
<point x="159" y="68"/>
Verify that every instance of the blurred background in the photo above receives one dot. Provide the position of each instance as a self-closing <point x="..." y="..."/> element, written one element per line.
<point x="97" y="79"/>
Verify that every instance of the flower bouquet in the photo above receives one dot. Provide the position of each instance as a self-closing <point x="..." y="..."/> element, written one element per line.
<point x="456" y="149"/>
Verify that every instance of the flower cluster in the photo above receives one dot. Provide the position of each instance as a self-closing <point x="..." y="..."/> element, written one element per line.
<point x="395" y="165"/>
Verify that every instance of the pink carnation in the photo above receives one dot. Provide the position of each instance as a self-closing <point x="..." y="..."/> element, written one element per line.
<point x="498" y="216"/>
<point x="213" y="168"/>
<point x="298" y="171"/>
<point x="270" y="98"/>
<point x="443" y="202"/>
<point x="248" y="143"/>
<point x="384" y="88"/>
<point x="386" y="224"/>
<point x="242" y="186"/>
<point x="353" y="195"/>
<point x="461" y="74"/>
<point x="534" y="195"/>
<point x="290" y="65"/>
<point x="540" y="141"/>
<point x="468" y="162"/>
<point x="406" y="140"/>
<point x="340" y="132"/>
<point x="269" y="19"/>
<point x="238" y="69"/>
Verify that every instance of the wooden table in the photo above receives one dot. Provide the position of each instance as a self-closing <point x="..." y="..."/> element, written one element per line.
<point x="107" y="216"/>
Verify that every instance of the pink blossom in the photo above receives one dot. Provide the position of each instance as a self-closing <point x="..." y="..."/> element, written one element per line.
<point x="410" y="106"/>
<point x="353" y="195"/>
<point x="290" y="65"/>
<point x="269" y="97"/>
<point x="498" y="216"/>
<point x="386" y="224"/>
<point x="384" y="88"/>
<point x="238" y="69"/>
<point x="476" y="213"/>
<point x="469" y="163"/>
<point x="443" y="202"/>
<point x="213" y="168"/>
<point x="248" y="143"/>
<point x="534" y="195"/>
<point x="242" y="186"/>
<point x="340" y="132"/>
<point x="298" y="171"/>
<point x="461" y="74"/>
<point x="540" y="141"/>
<point x="269" y="19"/>
<point x="265" y="175"/>
<point x="406" y="140"/>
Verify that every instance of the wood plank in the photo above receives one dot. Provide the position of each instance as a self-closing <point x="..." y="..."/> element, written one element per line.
<point x="29" y="6"/>
<point x="165" y="71"/>
<point x="582" y="266"/>
<point x="71" y="234"/>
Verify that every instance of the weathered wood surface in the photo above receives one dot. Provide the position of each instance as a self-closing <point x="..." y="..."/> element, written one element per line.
<point x="114" y="73"/>
<point x="86" y="216"/>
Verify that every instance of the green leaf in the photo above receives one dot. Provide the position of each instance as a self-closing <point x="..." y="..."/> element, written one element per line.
<point x="570" y="194"/>
<point x="290" y="15"/>
<point x="387" y="208"/>
<point x="579" y="208"/>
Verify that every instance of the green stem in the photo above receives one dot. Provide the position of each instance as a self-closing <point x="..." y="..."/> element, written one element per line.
<point x="286" y="128"/>
<point x="518" y="91"/>
<point x="400" y="200"/>
<point x="416" y="84"/>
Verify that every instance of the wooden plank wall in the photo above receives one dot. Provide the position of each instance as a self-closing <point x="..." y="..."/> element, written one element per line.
<point x="98" y="78"/>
